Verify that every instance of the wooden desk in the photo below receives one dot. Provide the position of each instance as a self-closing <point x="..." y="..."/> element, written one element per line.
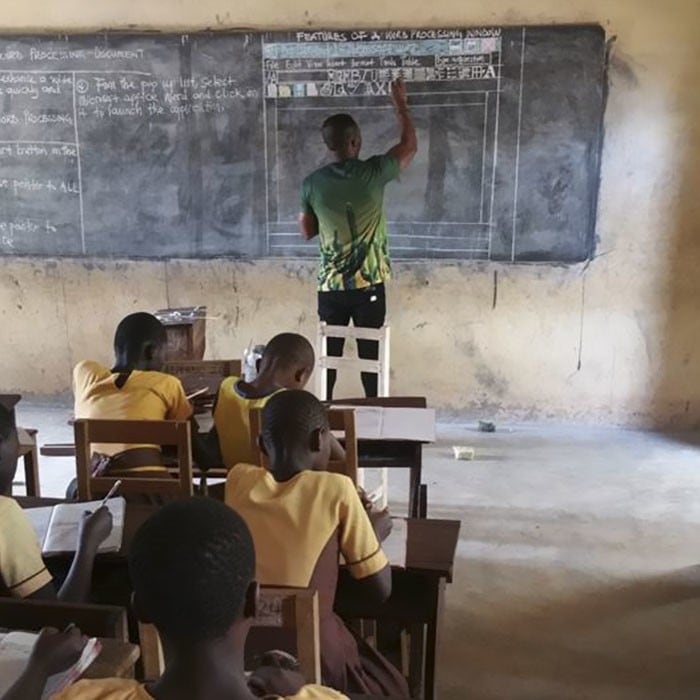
<point x="417" y="597"/>
<point x="29" y="452"/>
<point x="116" y="660"/>
<point x="185" y="329"/>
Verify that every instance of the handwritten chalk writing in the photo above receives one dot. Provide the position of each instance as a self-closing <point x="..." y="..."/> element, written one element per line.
<point x="17" y="90"/>
<point x="11" y="55"/>
<point x="40" y="54"/>
<point x="112" y="54"/>
<point x="22" y="225"/>
<point x="18" y="78"/>
<point x="9" y="119"/>
<point x="31" y="184"/>
<point x="51" y="118"/>
<point x="31" y="150"/>
<point x="322" y="36"/>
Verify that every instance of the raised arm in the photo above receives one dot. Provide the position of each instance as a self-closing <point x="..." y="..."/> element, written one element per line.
<point x="407" y="146"/>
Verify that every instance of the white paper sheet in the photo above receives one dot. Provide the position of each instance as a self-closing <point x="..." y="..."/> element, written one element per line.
<point x="57" y="526"/>
<point x="394" y="546"/>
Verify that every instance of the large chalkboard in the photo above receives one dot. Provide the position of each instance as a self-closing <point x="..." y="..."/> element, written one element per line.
<point x="156" y="146"/>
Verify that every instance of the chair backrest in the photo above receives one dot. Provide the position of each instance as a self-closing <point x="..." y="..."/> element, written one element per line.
<point x="93" y="620"/>
<point x="380" y="366"/>
<point x="383" y="401"/>
<point x="341" y="421"/>
<point x="283" y="614"/>
<point x="134" y="432"/>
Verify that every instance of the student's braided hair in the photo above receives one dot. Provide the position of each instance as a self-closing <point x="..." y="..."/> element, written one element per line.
<point x="191" y="565"/>
<point x="134" y="335"/>
<point x="289" y="417"/>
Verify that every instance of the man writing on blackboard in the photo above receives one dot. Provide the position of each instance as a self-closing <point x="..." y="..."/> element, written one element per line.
<point x="343" y="204"/>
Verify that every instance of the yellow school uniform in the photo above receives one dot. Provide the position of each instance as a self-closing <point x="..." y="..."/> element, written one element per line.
<point x="21" y="567"/>
<point x="300" y="528"/>
<point x="121" y="689"/>
<point x="292" y="522"/>
<point x="232" y="422"/>
<point x="144" y="396"/>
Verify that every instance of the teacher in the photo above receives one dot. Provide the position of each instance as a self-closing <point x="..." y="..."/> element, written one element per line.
<point x="343" y="204"/>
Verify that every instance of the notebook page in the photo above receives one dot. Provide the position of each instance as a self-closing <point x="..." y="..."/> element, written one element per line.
<point x="62" y="535"/>
<point x="15" y="648"/>
<point x="394" y="545"/>
<point x="40" y="518"/>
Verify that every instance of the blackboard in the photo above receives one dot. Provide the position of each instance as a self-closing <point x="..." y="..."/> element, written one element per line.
<point x="157" y="146"/>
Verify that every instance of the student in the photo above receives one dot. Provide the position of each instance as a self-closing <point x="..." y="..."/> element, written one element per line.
<point x="302" y="519"/>
<point x="287" y="363"/>
<point x="192" y="565"/>
<point x="135" y="388"/>
<point x="22" y="570"/>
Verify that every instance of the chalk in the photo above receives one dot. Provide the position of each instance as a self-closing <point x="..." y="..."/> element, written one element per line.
<point x="486" y="426"/>
<point x="462" y="452"/>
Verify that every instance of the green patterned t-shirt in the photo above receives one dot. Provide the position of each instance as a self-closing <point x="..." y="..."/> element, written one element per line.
<point x="347" y="198"/>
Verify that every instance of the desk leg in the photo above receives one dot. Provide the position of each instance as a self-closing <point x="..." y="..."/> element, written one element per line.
<point x="432" y="648"/>
<point x="31" y="472"/>
<point x="415" y="480"/>
<point x="416" y="657"/>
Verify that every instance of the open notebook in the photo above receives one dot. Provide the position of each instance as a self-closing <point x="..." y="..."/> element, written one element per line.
<point x="15" y="649"/>
<point x="57" y="526"/>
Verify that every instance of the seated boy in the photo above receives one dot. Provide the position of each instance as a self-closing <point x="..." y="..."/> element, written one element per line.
<point x="135" y="388"/>
<point x="287" y="363"/>
<point x="302" y="518"/>
<point x="22" y="570"/>
<point x="192" y="566"/>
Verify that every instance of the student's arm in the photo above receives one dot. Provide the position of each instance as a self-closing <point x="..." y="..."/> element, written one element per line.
<point x="361" y="549"/>
<point x="407" y="146"/>
<point x="94" y="529"/>
<point x="53" y="652"/>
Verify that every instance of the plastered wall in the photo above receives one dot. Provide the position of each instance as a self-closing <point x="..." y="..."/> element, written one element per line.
<point x="616" y="340"/>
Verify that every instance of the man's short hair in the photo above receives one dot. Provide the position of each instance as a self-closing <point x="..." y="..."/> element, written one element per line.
<point x="289" y="417"/>
<point x="338" y="131"/>
<point x="191" y="565"/>
<point x="289" y="350"/>
<point x="8" y="441"/>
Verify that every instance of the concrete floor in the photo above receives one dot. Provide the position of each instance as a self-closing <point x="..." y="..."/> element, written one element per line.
<point x="578" y="570"/>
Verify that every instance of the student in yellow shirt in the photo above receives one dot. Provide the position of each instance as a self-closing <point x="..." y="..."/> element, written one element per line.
<point x="23" y="573"/>
<point x="302" y="519"/>
<point x="134" y="389"/>
<point x="192" y="565"/>
<point x="287" y="363"/>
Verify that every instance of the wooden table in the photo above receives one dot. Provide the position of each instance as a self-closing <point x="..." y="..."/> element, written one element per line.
<point x="29" y="452"/>
<point x="185" y="330"/>
<point x="417" y="598"/>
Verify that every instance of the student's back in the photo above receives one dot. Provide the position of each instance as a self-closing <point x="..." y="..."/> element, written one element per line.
<point x="134" y="389"/>
<point x="23" y="573"/>
<point x="192" y="566"/>
<point x="287" y="363"/>
<point x="302" y="519"/>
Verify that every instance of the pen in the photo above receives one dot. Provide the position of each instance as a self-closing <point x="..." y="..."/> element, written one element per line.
<point x="111" y="493"/>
